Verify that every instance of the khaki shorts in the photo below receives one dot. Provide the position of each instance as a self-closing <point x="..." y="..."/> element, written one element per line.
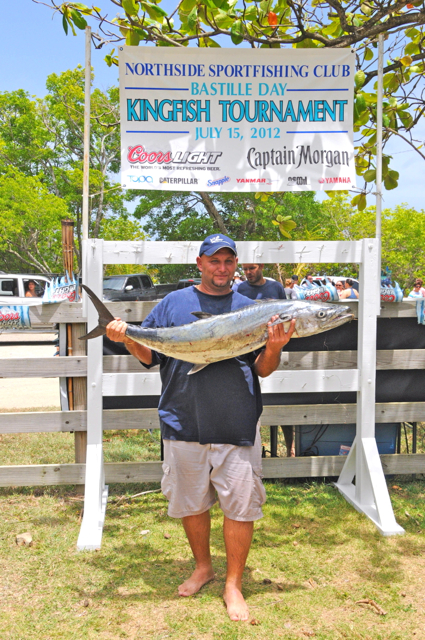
<point x="194" y="472"/>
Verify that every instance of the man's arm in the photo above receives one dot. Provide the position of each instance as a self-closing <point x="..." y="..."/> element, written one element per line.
<point x="115" y="331"/>
<point x="268" y="360"/>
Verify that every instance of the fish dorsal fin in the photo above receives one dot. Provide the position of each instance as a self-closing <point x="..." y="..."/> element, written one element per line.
<point x="201" y="315"/>
<point x="197" y="367"/>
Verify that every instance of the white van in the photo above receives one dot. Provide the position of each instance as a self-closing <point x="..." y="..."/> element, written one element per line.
<point x="13" y="287"/>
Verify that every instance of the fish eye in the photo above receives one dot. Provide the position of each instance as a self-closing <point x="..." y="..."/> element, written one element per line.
<point x="321" y="314"/>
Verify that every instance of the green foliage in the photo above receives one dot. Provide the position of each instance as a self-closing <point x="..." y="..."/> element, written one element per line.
<point x="30" y="219"/>
<point x="285" y="225"/>
<point x="277" y="23"/>
<point x="403" y="231"/>
<point x="44" y="139"/>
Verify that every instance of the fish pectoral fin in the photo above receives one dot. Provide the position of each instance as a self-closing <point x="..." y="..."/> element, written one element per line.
<point x="197" y="367"/>
<point x="201" y="315"/>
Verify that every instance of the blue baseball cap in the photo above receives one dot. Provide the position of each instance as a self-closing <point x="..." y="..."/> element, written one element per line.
<point x="214" y="243"/>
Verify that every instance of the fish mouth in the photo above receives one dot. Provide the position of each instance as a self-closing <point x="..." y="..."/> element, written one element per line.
<point x="342" y="318"/>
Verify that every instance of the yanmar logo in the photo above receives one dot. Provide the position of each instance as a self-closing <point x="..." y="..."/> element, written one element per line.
<point x="139" y="154"/>
<point x="337" y="180"/>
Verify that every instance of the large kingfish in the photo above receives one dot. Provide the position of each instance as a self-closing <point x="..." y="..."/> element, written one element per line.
<point x="224" y="336"/>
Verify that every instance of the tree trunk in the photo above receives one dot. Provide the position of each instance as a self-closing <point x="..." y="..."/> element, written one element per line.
<point x="213" y="213"/>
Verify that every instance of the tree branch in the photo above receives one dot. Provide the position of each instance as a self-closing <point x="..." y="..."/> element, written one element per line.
<point x="212" y="212"/>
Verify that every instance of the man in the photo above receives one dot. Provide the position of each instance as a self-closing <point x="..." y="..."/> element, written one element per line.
<point x="209" y="423"/>
<point x="256" y="287"/>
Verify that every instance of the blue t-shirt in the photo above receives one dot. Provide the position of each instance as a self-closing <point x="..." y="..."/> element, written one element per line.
<point x="270" y="289"/>
<point x="221" y="403"/>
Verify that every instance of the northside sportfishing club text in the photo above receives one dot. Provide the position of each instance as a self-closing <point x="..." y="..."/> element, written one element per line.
<point x="271" y="110"/>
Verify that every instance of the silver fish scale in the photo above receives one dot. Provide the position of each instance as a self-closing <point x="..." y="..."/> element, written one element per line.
<point x="238" y="332"/>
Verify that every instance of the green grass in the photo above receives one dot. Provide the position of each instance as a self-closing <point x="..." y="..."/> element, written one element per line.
<point x="320" y="555"/>
<point x="313" y="558"/>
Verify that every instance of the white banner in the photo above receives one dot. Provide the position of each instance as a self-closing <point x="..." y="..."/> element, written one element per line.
<point x="236" y="119"/>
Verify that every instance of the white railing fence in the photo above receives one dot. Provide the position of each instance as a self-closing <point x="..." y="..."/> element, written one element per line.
<point x="369" y="494"/>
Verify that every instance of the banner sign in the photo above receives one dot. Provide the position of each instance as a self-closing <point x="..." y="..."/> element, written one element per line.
<point x="60" y="289"/>
<point x="236" y="119"/>
<point x="327" y="293"/>
<point x="391" y="294"/>
<point x="14" y="317"/>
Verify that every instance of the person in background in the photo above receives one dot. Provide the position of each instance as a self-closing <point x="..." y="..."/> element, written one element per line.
<point x="309" y="279"/>
<point x="236" y="281"/>
<point x="257" y="287"/>
<point x="31" y="292"/>
<point x="418" y="291"/>
<point x="339" y="286"/>
<point x="289" y="289"/>
<point x="295" y="279"/>
<point x="349" y="293"/>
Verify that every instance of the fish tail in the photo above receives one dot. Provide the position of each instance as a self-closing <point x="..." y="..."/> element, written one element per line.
<point x="105" y="316"/>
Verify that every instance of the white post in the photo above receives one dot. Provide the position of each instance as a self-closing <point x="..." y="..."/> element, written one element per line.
<point x="86" y="162"/>
<point x="370" y="493"/>
<point x="378" y="232"/>
<point x="96" y="493"/>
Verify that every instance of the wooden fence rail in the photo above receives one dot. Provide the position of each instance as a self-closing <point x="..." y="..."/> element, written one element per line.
<point x="136" y="472"/>
<point x="123" y="374"/>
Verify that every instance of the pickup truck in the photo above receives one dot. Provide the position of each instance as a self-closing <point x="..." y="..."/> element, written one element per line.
<point x="129" y="287"/>
<point x="139" y="286"/>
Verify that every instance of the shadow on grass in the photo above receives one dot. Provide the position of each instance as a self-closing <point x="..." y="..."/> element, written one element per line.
<point x="143" y="575"/>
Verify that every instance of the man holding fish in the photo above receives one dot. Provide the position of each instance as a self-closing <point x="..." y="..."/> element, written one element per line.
<point x="209" y="424"/>
<point x="210" y="403"/>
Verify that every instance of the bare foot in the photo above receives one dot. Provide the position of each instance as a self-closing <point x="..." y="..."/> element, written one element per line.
<point x="235" y="603"/>
<point x="197" y="580"/>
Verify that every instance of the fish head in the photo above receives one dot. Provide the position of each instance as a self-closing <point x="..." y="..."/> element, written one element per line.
<point x="315" y="317"/>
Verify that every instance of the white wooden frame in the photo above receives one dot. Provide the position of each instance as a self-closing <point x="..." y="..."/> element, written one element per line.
<point x="369" y="494"/>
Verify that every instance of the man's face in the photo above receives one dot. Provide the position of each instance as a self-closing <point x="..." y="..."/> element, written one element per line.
<point x="253" y="272"/>
<point x="217" y="271"/>
<point x="310" y="278"/>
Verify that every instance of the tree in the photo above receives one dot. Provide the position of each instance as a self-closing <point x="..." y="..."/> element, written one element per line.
<point x="402" y="233"/>
<point x="30" y="218"/>
<point x="44" y="139"/>
<point x="182" y="215"/>
<point x="297" y="24"/>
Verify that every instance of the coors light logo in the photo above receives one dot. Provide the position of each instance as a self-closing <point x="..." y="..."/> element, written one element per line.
<point x="139" y="154"/>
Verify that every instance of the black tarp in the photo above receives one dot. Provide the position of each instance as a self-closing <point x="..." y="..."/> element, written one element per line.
<point x="391" y="385"/>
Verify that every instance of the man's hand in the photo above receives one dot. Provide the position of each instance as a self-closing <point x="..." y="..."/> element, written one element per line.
<point x="278" y="337"/>
<point x="116" y="329"/>
<point x="269" y="359"/>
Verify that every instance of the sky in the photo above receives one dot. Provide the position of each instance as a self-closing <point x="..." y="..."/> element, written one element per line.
<point x="35" y="45"/>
